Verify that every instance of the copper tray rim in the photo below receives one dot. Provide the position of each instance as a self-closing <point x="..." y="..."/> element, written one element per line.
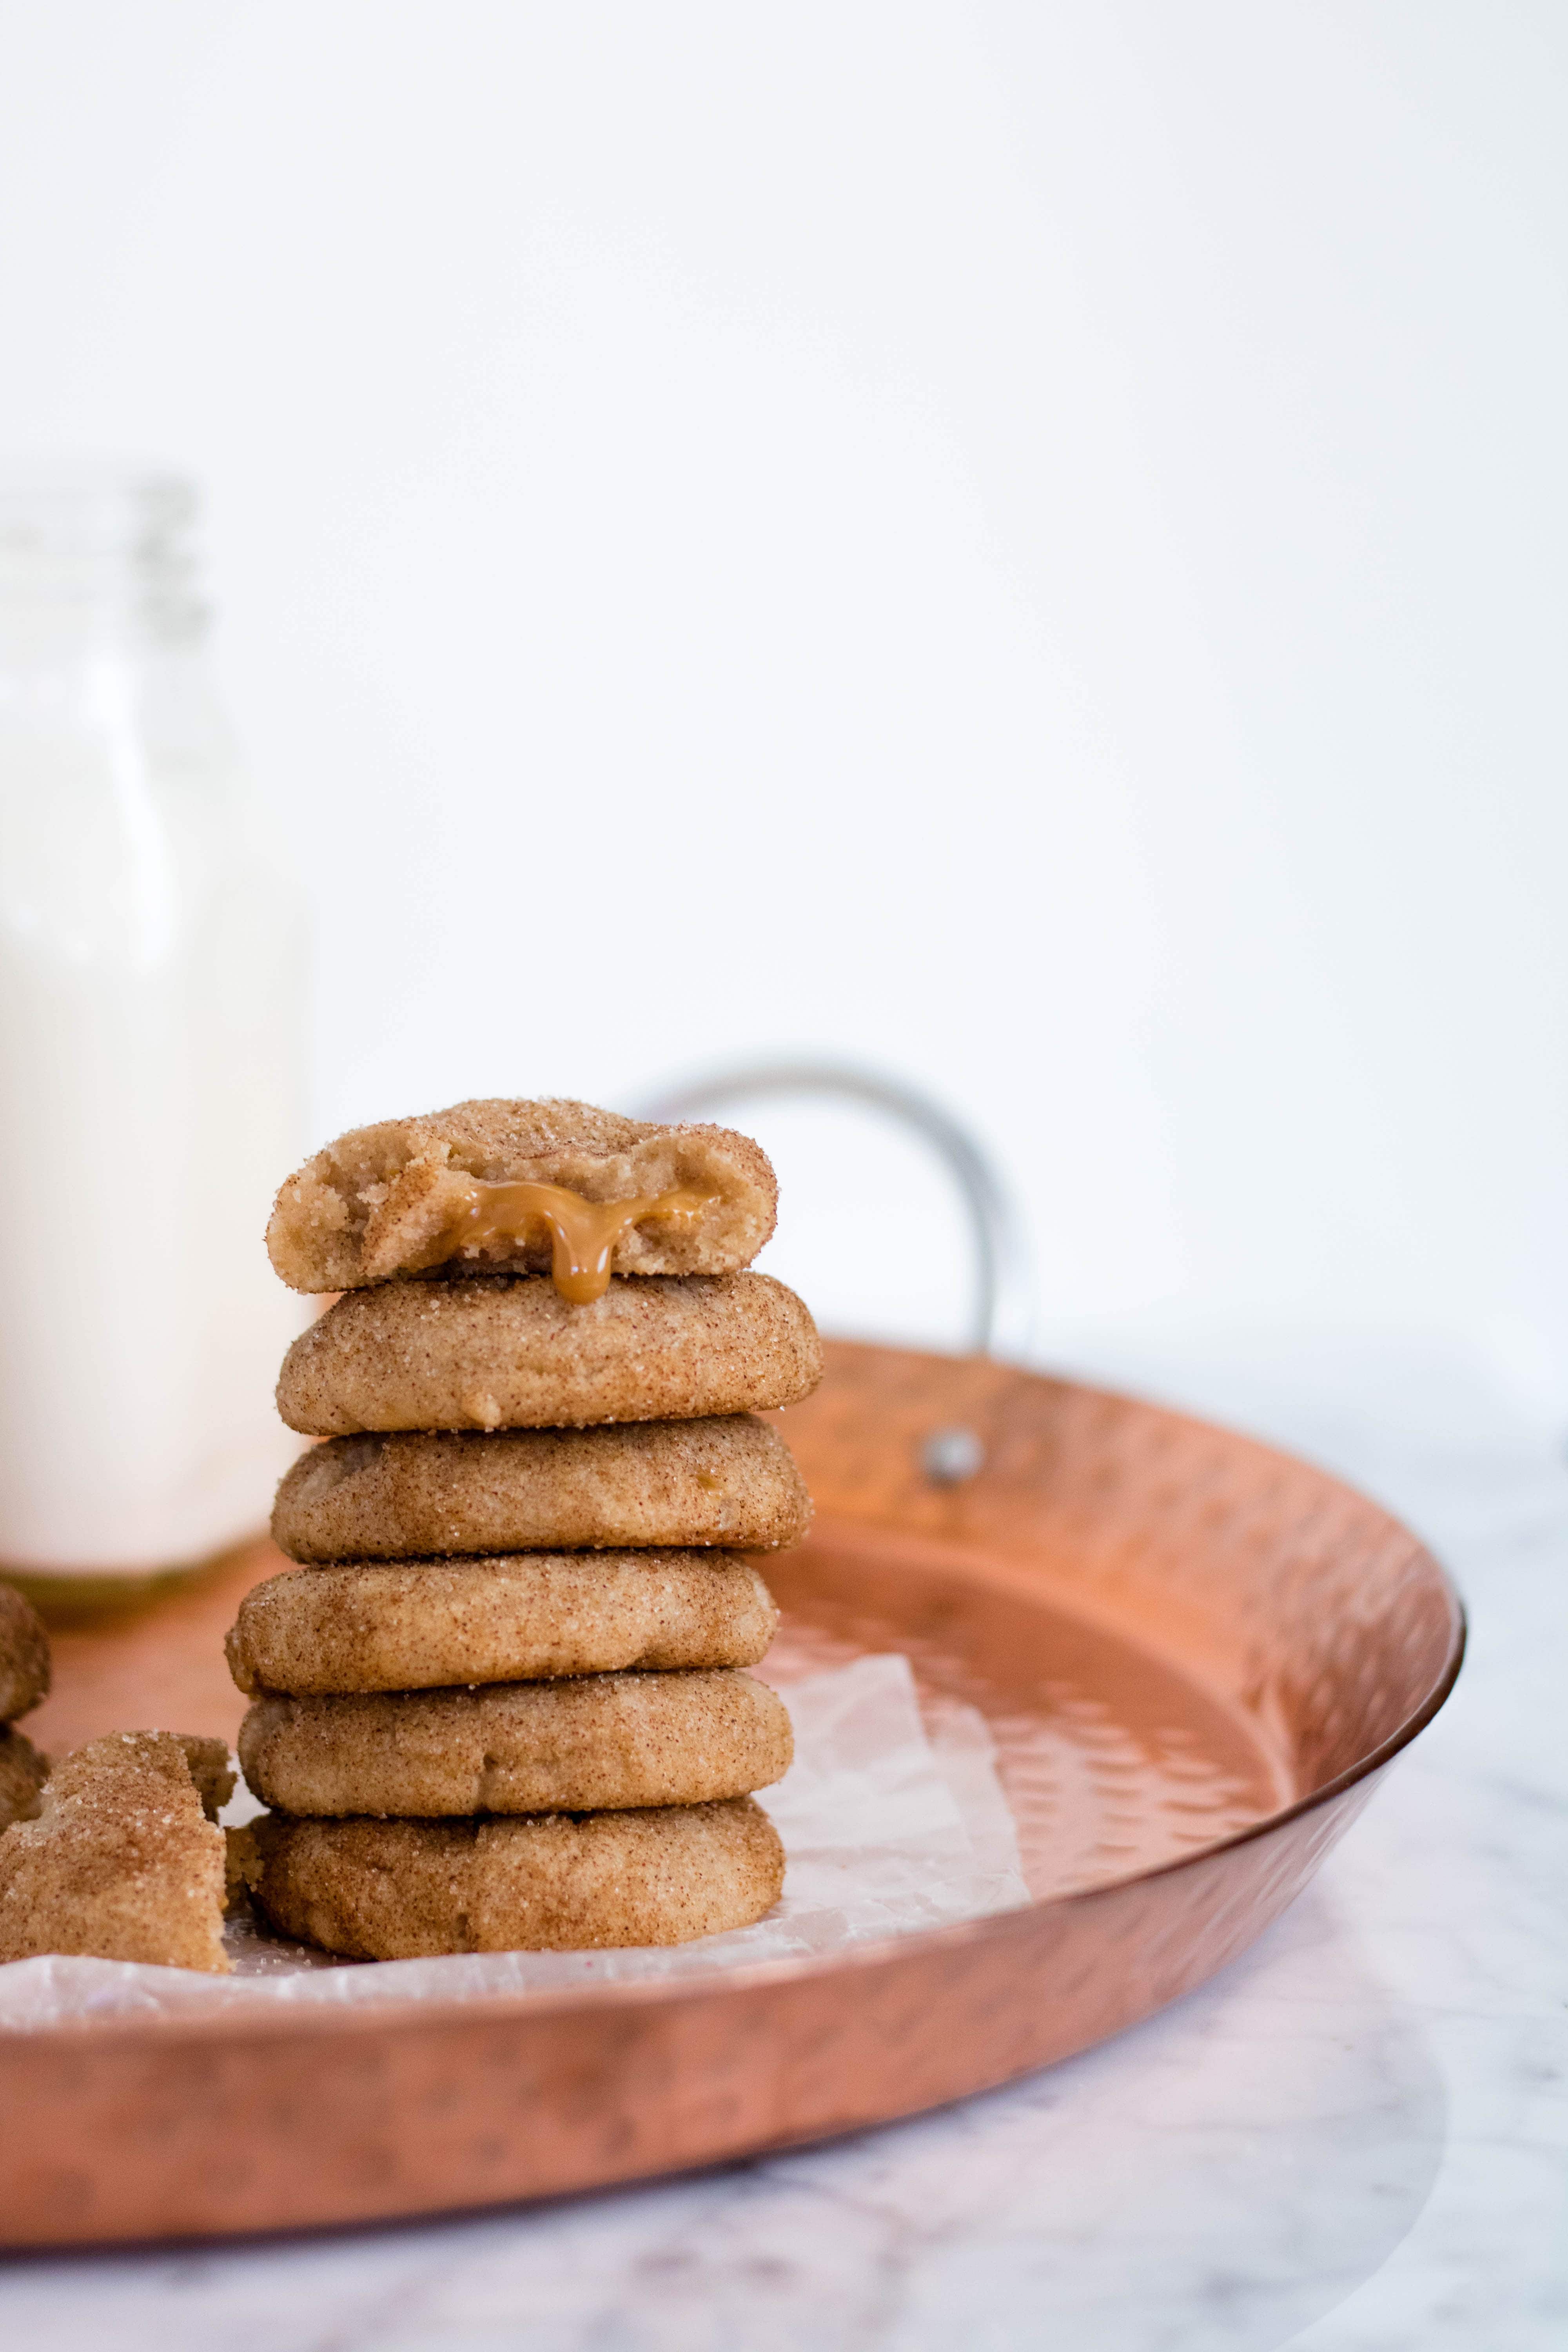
<point x="431" y="2012"/>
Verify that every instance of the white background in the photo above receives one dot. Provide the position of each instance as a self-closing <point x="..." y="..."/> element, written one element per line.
<point x="1022" y="542"/>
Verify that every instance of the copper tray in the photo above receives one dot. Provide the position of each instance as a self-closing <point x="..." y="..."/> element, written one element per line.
<point x="1197" y="1657"/>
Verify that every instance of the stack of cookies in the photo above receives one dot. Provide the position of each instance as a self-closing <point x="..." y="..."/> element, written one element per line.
<point x="502" y="1705"/>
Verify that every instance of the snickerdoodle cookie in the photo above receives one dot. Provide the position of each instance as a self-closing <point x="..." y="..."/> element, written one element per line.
<point x="123" y="1861"/>
<point x="366" y="1627"/>
<point x="23" y="1772"/>
<point x="460" y="1187"/>
<point x="407" y="1890"/>
<point x="588" y="1743"/>
<point x="23" y="1655"/>
<point x="412" y="1493"/>
<point x="513" y="1354"/>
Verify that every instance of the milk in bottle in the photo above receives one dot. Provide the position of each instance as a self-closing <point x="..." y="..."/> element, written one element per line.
<point x="152" y="1039"/>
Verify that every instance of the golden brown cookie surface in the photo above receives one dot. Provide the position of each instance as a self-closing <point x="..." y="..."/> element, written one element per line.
<point x="504" y="1354"/>
<point x="416" y="1494"/>
<point x="23" y="1772"/>
<point x="592" y="1743"/>
<point x="23" y="1655"/>
<point x="410" y="1889"/>
<point x="122" y="1862"/>
<point x="369" y="1627"/>
<point x="372" y="1205"/>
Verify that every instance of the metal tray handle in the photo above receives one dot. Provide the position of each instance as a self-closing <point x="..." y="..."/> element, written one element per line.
<point x="1002" y="1313"/>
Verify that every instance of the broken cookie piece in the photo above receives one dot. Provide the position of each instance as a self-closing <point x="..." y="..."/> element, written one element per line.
<point x="23" y="1772"/>
<point x="523" y="1188"/>
<point x="124" y="1862"/>
<point x="23" y="1655"/>
<point x="23" y="1681"/>
<point x="209" y="1764"/>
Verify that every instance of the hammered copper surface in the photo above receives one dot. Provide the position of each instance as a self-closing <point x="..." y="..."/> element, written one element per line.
<point x="1111" y="1760"/>
<point x="1193" y="1654"/>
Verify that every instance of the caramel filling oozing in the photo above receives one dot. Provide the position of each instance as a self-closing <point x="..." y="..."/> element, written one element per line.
<point x="583" y="1234"/>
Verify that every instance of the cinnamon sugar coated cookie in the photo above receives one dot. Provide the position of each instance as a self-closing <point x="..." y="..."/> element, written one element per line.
<point x="412" y="1494"/>
<point x="375" y="1205"/>
<point x="123" y="1861"/>
<point x="513" y="1354"/>
<point x="23" y="1655"/>
<point x="409" y="1890"/>
<point x="23" y="1772"/>
<point x="596" y="1742"/>
<point x="367" y="1627"/>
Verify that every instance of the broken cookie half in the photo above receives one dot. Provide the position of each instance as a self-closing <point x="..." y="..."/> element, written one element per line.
<point x="23" y="1771"/>
<point x="506" y="1186"/>
<point x="124" y="1861"/>
<point x="23" y="1681"/>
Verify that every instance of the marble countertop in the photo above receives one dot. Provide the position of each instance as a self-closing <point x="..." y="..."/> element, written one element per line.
<point x="1353" y="2140"/>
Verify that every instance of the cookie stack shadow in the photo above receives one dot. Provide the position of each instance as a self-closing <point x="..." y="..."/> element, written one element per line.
<point x="501" y="1703"/>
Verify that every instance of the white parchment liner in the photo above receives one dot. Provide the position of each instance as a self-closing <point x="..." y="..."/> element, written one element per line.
<point x="889" y="1824"/>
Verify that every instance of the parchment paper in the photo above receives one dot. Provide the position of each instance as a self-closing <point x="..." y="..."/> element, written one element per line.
<point x="889" y="1824"/>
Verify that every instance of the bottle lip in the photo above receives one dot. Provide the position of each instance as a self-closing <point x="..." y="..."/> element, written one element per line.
<point x="110" y="537"/>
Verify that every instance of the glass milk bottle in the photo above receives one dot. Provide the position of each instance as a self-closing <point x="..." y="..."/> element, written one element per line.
<point x="152" y="1041"/>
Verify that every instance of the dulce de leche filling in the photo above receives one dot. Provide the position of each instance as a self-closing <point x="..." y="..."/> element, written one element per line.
<point x="583" y="1234"/>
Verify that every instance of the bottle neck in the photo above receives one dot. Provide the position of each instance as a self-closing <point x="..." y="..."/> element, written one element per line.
<point x="96" y="565"/>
